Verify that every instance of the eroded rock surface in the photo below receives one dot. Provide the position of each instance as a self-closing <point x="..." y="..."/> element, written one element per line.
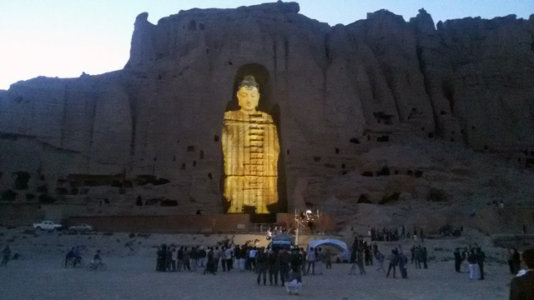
<point x="345" y="100"/>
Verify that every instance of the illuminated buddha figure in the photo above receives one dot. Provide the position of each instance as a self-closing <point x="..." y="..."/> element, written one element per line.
<point x="250" y="148"/>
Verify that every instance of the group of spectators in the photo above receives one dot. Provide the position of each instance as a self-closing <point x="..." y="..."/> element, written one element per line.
<point x="419" y="256"/>
<point x="474" y="257"/>
<point x="364" y="254"/>
<point x="73" y="258"/>
<point x="395" y="234"/>
<point x="283" y="266"/>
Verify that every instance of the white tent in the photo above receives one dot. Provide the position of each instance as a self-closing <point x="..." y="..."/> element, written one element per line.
<point x="340" y="245"/>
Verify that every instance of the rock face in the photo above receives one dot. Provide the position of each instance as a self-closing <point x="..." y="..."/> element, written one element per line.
<point x="151" y="132"/>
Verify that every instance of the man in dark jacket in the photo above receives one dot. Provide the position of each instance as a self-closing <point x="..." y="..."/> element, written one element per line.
<point x="262" y="265"/>
<point x="457" y="260"/>
<point x="393" y="261"/>
<point x="481" y="256"/>
<point x="522" y="286"/>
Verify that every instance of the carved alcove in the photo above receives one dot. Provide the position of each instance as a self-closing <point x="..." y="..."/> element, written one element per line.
<point x="270" y="106"/>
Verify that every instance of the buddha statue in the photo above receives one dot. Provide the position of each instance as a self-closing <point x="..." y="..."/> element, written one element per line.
<point x="250" y="149"/>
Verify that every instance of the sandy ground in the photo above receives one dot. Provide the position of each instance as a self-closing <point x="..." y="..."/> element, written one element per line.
<point x="130" y="274"/>
<point x="134" y="278"/>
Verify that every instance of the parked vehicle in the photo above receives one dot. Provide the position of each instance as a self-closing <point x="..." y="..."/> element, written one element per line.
<point x="47" y="225"/>
<point x="81" y="228"/>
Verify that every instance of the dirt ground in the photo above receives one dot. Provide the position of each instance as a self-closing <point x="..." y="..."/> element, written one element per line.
<point x="130" y="274"/>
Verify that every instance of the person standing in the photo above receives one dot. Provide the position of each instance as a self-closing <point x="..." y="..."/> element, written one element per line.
<point x="284" y="258"/>
<point x="380" y="259"/>
<point x="186" y="258"/>
<point x="274" y="267"/>
<point x="202" y="257"/>
<point x="310" y="259"/>
<point x="230" y="254"/>
<point x="328" y="259"/>
<point x="252" y="252"/>
<point x="403" y="260"/>
<point x="320" y="261"/>
<point x="180" y="259"/>
<point x="353" y="261"/>
<point x="194" y="258"/>
<point x="261" y="265"/>
<point x="160" y="262"/>
<point x="424" y="256"/>
<point x="241" y="257"/>
<point x="6" y="255"/>
<point x="481" y="256"/>
<point x="473" y="265"/>
<point x="302" y="255"/>
<point x="418" y="253"/>
<point x="360" y="261"/>
<point x="223" y="259"/>
<point x="522" y="285"/>
<point x="393" y="260"/>
<point x="210" y="268"/>
<point x="457" y="260"/>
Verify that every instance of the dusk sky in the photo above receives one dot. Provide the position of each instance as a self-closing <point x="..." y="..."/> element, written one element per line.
<point x="63" y="38"/>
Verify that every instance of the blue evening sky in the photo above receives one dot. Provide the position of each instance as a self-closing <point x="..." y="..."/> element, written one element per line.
<point x="64" y="38"/>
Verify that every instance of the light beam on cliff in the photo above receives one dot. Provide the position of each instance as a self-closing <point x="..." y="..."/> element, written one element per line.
<point x="251" y="149"/>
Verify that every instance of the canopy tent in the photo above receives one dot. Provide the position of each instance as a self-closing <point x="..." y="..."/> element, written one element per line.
<point x="340" y="245"/>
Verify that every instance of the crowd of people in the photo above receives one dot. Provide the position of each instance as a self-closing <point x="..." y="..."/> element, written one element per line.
<point x="286" y="266"/>
<point x="280" y="266"/>
<point x="73" y="258"/>
<point x="395" y="234"/>
<point x="474" y="258"/>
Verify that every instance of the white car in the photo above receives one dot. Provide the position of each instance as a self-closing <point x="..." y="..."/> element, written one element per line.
<point x="47" y="225"/>
<point x="81" y="228"/>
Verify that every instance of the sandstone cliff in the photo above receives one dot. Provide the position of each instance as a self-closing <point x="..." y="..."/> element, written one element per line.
<point x="346" y="99"/>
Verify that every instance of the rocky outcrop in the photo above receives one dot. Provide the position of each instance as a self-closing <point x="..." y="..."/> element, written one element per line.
<point x="335" y="94"/>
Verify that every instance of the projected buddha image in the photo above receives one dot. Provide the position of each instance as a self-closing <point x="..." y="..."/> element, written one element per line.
<point x="250" y="148"/>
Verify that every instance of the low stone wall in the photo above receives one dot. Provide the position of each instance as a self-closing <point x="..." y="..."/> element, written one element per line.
<point x="20" y="214"/>
<point x="167" y="224"/>
<point x="220" y="223"/>
<point x="518" y="241"/>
